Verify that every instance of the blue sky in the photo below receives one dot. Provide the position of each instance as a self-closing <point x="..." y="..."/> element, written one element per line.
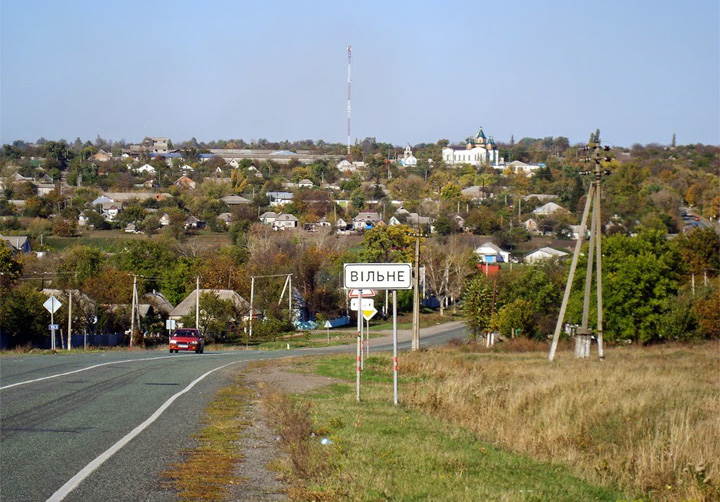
<point x="639" y="70"/>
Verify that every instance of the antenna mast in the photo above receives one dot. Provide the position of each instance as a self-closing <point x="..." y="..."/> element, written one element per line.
<point x="348" y="105"/>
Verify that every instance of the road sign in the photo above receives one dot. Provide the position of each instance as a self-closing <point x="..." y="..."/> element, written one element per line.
<point x="378" y="275"/>
<point x="366" y="293"/>
<point x="52" y="304"/>
<point x="369" y="313"/>
<point x="327" y="324"/>
<point x="53" y="326"/>
<point x="367" y="304"/>
<point x="170" y="324"/>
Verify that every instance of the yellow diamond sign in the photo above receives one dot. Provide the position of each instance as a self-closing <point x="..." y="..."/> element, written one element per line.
<point x="369" y="314"/>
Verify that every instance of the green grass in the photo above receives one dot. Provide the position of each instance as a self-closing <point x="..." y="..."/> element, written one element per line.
<point x="314" y="339"/>
<point x="384" y="452"/>
<point x="113" y="241"/>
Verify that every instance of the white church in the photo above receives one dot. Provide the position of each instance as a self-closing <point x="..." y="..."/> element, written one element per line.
<point x="479" y="151"/>
<point x="408" y="159"/>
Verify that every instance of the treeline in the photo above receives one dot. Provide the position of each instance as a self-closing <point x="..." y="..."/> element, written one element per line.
<point x="654" y="290"/>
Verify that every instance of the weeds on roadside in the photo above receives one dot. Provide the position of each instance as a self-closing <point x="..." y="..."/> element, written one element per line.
<point x="308" y="461"/>
<point x="207" y="470"/>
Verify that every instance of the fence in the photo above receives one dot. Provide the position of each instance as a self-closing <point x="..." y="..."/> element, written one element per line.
<point x="78" y="341"/>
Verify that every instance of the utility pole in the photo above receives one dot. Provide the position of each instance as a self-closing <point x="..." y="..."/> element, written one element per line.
<point x="416" y="292"/>
<point x="132" y="310"/>
<point x="252" y="309"/>
<point x="584" y="333"/>
<point x="69" y="319"/>
<point x="197" y="303"/>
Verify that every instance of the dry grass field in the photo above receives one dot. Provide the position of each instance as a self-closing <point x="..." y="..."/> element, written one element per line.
<point x="644" y="419"/>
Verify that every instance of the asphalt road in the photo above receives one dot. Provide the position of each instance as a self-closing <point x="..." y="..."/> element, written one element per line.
<point x="104" y="426"/>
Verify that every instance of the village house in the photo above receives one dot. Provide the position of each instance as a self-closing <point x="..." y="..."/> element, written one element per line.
<point x="489" y="252"/>
<point x="532" y="226"/>
<point x="185" y="182"/>
<point x="279" y="198"/>
<point x="193" y="223"/>
<point x="365" y="220"/>
<point x="235" y="200"/>
<point x="146" y="168"/>
<point x="17" y="243"/>
<point x="285" y="221"/>
<point x="548" y="209"/>
<point x="544" y="254"/>
<point x="268" y="217"/>
<point x="101" y="156"/>
<point x="187" y="306"/>
<point x="522" y="167"/>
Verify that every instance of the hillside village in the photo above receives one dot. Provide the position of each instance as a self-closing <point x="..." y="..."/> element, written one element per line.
<point x="500" y="204"/>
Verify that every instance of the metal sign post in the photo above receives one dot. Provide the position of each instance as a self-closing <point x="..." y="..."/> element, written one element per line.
<point x="395" y="359"/>
<point x="362" y="277"/>
<point x="52" y="304"/>
<point x="359" y="349"/>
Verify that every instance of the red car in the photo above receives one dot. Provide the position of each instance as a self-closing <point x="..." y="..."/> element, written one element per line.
<point x="187" y="339"/>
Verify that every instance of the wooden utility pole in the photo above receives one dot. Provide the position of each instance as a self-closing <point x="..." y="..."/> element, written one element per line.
<point x="584" y="333"/>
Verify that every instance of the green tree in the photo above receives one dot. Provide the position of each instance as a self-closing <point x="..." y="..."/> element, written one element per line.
<point x="641" y="275"/>
<point x="700" y="249"/>
<point x="22" y="315"/>
<point x="149" y="259"/>
<point x="478" y="305"/>
<point x="515" y="318"/>
<point x="388" y="244"/>
<point x="79" y="264"/>
<point x="10" y="268"/>
<point x="215" y="316"/>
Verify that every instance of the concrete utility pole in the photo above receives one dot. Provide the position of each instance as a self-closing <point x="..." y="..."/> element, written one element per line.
<point x="197" y="303"/>
<point x="69" y="344"/>
<point x="416" y="293"/>
<point x="584" y="333"/>
<point x="132" y="310"/>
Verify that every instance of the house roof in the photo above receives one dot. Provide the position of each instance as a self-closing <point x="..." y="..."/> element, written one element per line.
<point x="548" y="250"/>
<point x="367" y="216"/>
<point x="188" y="304"/>
<point x="286" y="217"/>
<point x="102" y="200"/>
<point x="490" y="245"/>
<point x="235" y="199"/>
<point x="268" y="214"/>
<point x="548" y="208"/>
<point x="158" y="301"/>
<point x="15" y="241"/>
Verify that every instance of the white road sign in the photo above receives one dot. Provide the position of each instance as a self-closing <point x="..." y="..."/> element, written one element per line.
<point x="52" y="304"/>
<point x="366" y="293"/>
<point x="367" y="304"/>
<point x="378" y="275"/>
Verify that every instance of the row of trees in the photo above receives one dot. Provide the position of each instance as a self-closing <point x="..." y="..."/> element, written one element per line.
<point x="654" y="290"/>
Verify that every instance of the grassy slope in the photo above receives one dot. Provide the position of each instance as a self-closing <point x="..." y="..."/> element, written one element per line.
<point x="386" y="452"/>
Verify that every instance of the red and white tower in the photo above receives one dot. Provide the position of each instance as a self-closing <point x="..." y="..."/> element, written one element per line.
<point x="348" y="105"/>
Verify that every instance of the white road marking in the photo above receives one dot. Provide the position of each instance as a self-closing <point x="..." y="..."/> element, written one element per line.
<point x="75" y="481"/>
<point x="83" y="369"/>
